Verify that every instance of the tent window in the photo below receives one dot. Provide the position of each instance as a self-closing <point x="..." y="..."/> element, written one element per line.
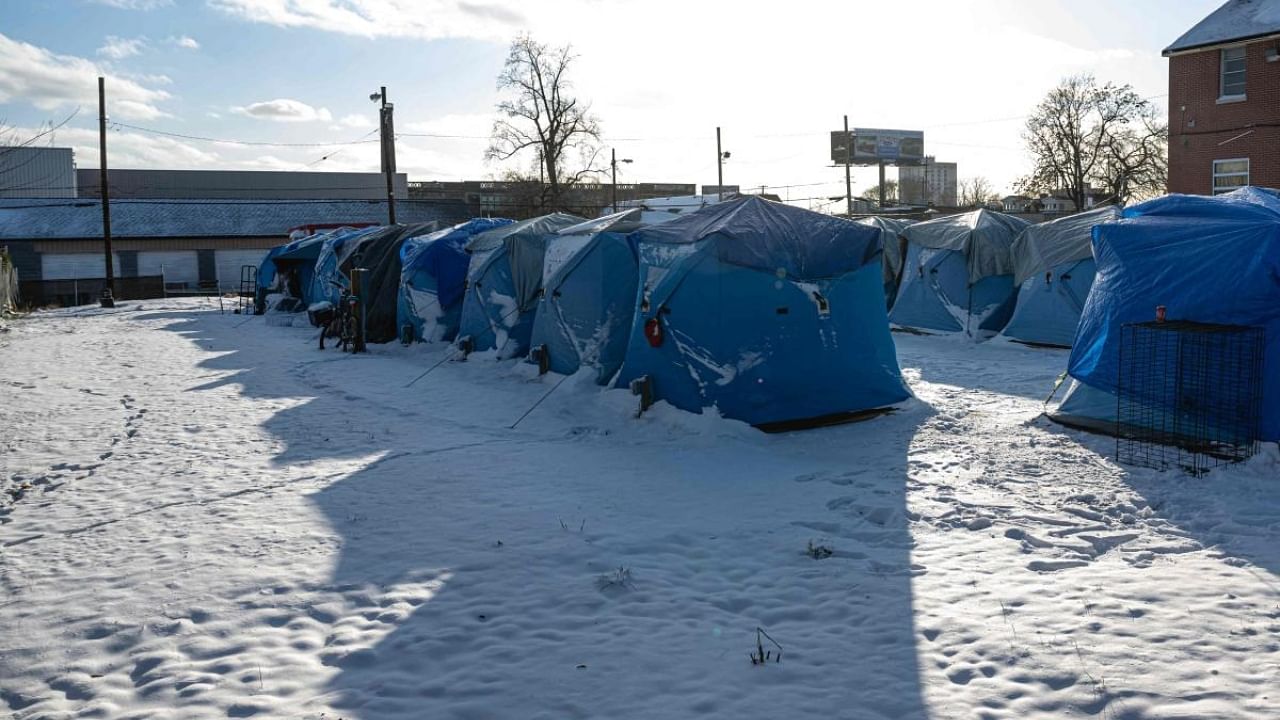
<point x="1230" y="175"/>
<point x="1232" y="73"/>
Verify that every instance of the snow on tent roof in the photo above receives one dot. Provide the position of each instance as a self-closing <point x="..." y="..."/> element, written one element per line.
<point x="772" y="236"/>
<point x="984" y="236"/>
<point x="1049" y="244"/>
<point x="1235" y="20"/>
<point x="52" y="219"/>
<point x="619" y="222"/>
<point x="533" y="227"/>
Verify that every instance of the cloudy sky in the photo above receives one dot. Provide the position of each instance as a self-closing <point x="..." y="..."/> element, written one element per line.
<point x="294" y="76"/>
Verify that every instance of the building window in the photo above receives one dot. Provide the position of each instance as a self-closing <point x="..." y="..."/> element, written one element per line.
<point x="1232" y="73"/>
<point x="1230" y="175"/>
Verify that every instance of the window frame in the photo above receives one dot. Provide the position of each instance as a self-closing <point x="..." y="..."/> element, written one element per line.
<point x="1223" y="95"/>
<point x="1215" y="174"/>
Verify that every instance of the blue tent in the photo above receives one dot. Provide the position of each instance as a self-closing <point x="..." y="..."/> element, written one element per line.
<point x="771" y="313"/>
<point x="328" y="279"/>
<point x="504" y="281"/>
<point x="1054" y="269"/>
<point x="433" y="274"/>
<point x="589" y="296"/>
<point x="890" y="232"/>
<point x="288" y="269"/>
<point x="1207" y="259"/>
<point x="957" y="275"/>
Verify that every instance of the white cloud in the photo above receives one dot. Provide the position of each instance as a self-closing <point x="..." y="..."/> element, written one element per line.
<point x="427" y="19"/>
<point x="284" y="110"/>
<point x="357" y="121"/>
<point x="51" y="82"/>
<point x="118" y="48"/>
<point x="185" y="41"/>
<point x="134" y="4"/>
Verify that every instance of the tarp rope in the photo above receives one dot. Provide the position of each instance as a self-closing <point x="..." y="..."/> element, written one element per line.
<point x="455" y="353"/>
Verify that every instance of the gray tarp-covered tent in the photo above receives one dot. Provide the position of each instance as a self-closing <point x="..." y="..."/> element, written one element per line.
<point x="890" y="230"/>
<point x="1042" y="247"/>
<point x="958" y="274"/>
<point x="1054" y="269"/>
<point x="504" y="281"/>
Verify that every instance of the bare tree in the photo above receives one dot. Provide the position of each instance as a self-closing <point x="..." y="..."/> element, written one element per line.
<point x="976" y="192"/>
<point x="1085" y="132"/>
<point x="541" y="115"/>
<point x="872" y="193"/>
<point x="1135" y="163"/>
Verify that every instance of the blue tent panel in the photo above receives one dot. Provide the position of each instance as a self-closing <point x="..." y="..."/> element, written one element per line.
<point x="504" y="282"/>
<point x="1048" y="308"/>
<point x="433" y="277"/>
<point x="768" y="312"/>
<point x="589" y="298"/>
<point x="1206" y="259"/>
<point x="295" y="259"/>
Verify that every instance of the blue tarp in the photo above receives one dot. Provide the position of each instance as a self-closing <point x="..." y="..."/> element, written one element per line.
<point x="504" y="281"/>
<point x="1054" y="269"/>
<point x="768" y="312"/>
<point x="328" y="279"/>
<point x="293" y="265"/>
<point x="433" y="275"/>
<point x="958" y="274"/>
<point x="589" y="296"/>
<point x="1206" y="259"/>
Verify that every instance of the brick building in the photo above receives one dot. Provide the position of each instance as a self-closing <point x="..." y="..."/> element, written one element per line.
<point x="1224" y="100"/>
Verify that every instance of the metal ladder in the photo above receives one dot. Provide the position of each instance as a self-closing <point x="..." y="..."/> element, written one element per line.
<point x="248" y="290"/>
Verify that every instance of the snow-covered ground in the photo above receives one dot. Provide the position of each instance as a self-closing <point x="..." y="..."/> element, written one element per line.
<point x="205" y="516"/>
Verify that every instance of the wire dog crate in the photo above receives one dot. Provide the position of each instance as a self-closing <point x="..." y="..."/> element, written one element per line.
<point x="1189" y="394"/>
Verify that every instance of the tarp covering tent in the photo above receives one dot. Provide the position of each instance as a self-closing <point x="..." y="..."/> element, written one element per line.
<point x="504" y="281"/>
<point x="1206" y="259"/>
<point x="8" y="284"/>
<point x="890" y="232"/>
<point x="336" y="250"/>
<point x="433" y="277"/>
<point x="770" y="313"/>
<point x="379" y="255"/>
<point x="957" y="275"/>
<point x="1053" y="269"/>
<point x="589" y="295"/>
<point x="288" y="269"/>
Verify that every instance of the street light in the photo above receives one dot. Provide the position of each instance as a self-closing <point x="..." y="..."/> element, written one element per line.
<point x="613" y="163"/>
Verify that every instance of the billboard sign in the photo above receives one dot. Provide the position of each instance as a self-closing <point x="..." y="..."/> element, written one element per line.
<point x="872" y="146"/>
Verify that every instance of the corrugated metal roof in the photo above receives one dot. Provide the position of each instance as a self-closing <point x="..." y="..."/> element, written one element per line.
<point x="52" y="219"/>
<point x="1235" y="20"/>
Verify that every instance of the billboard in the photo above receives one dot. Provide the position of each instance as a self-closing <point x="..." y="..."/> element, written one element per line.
<point x="870" y="146"/>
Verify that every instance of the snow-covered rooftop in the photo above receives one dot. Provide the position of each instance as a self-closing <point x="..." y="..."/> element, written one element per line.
<point x="1235" y="20"/>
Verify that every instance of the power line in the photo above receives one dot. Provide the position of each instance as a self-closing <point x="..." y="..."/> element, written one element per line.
<point x="227" y="141"/>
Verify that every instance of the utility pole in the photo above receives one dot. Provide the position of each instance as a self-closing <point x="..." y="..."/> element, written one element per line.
<point x="882" y="185"/>
<point x="719" y="167"/>
<point x="108" y="290"/>
<point x="388" y="134"/>
<point x="613" y="163"/>
<point x="848" y="182"/>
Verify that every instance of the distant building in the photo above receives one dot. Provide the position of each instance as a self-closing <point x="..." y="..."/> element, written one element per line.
<point x="498" y="198"/>
<point x="37" y="172"/>
<point x="1224" y="100"/>
<point x="1015" y="203"/>
<point x="242" y="185"/>
<point x="933" y="183"/>
<point x="57" y="246"/>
